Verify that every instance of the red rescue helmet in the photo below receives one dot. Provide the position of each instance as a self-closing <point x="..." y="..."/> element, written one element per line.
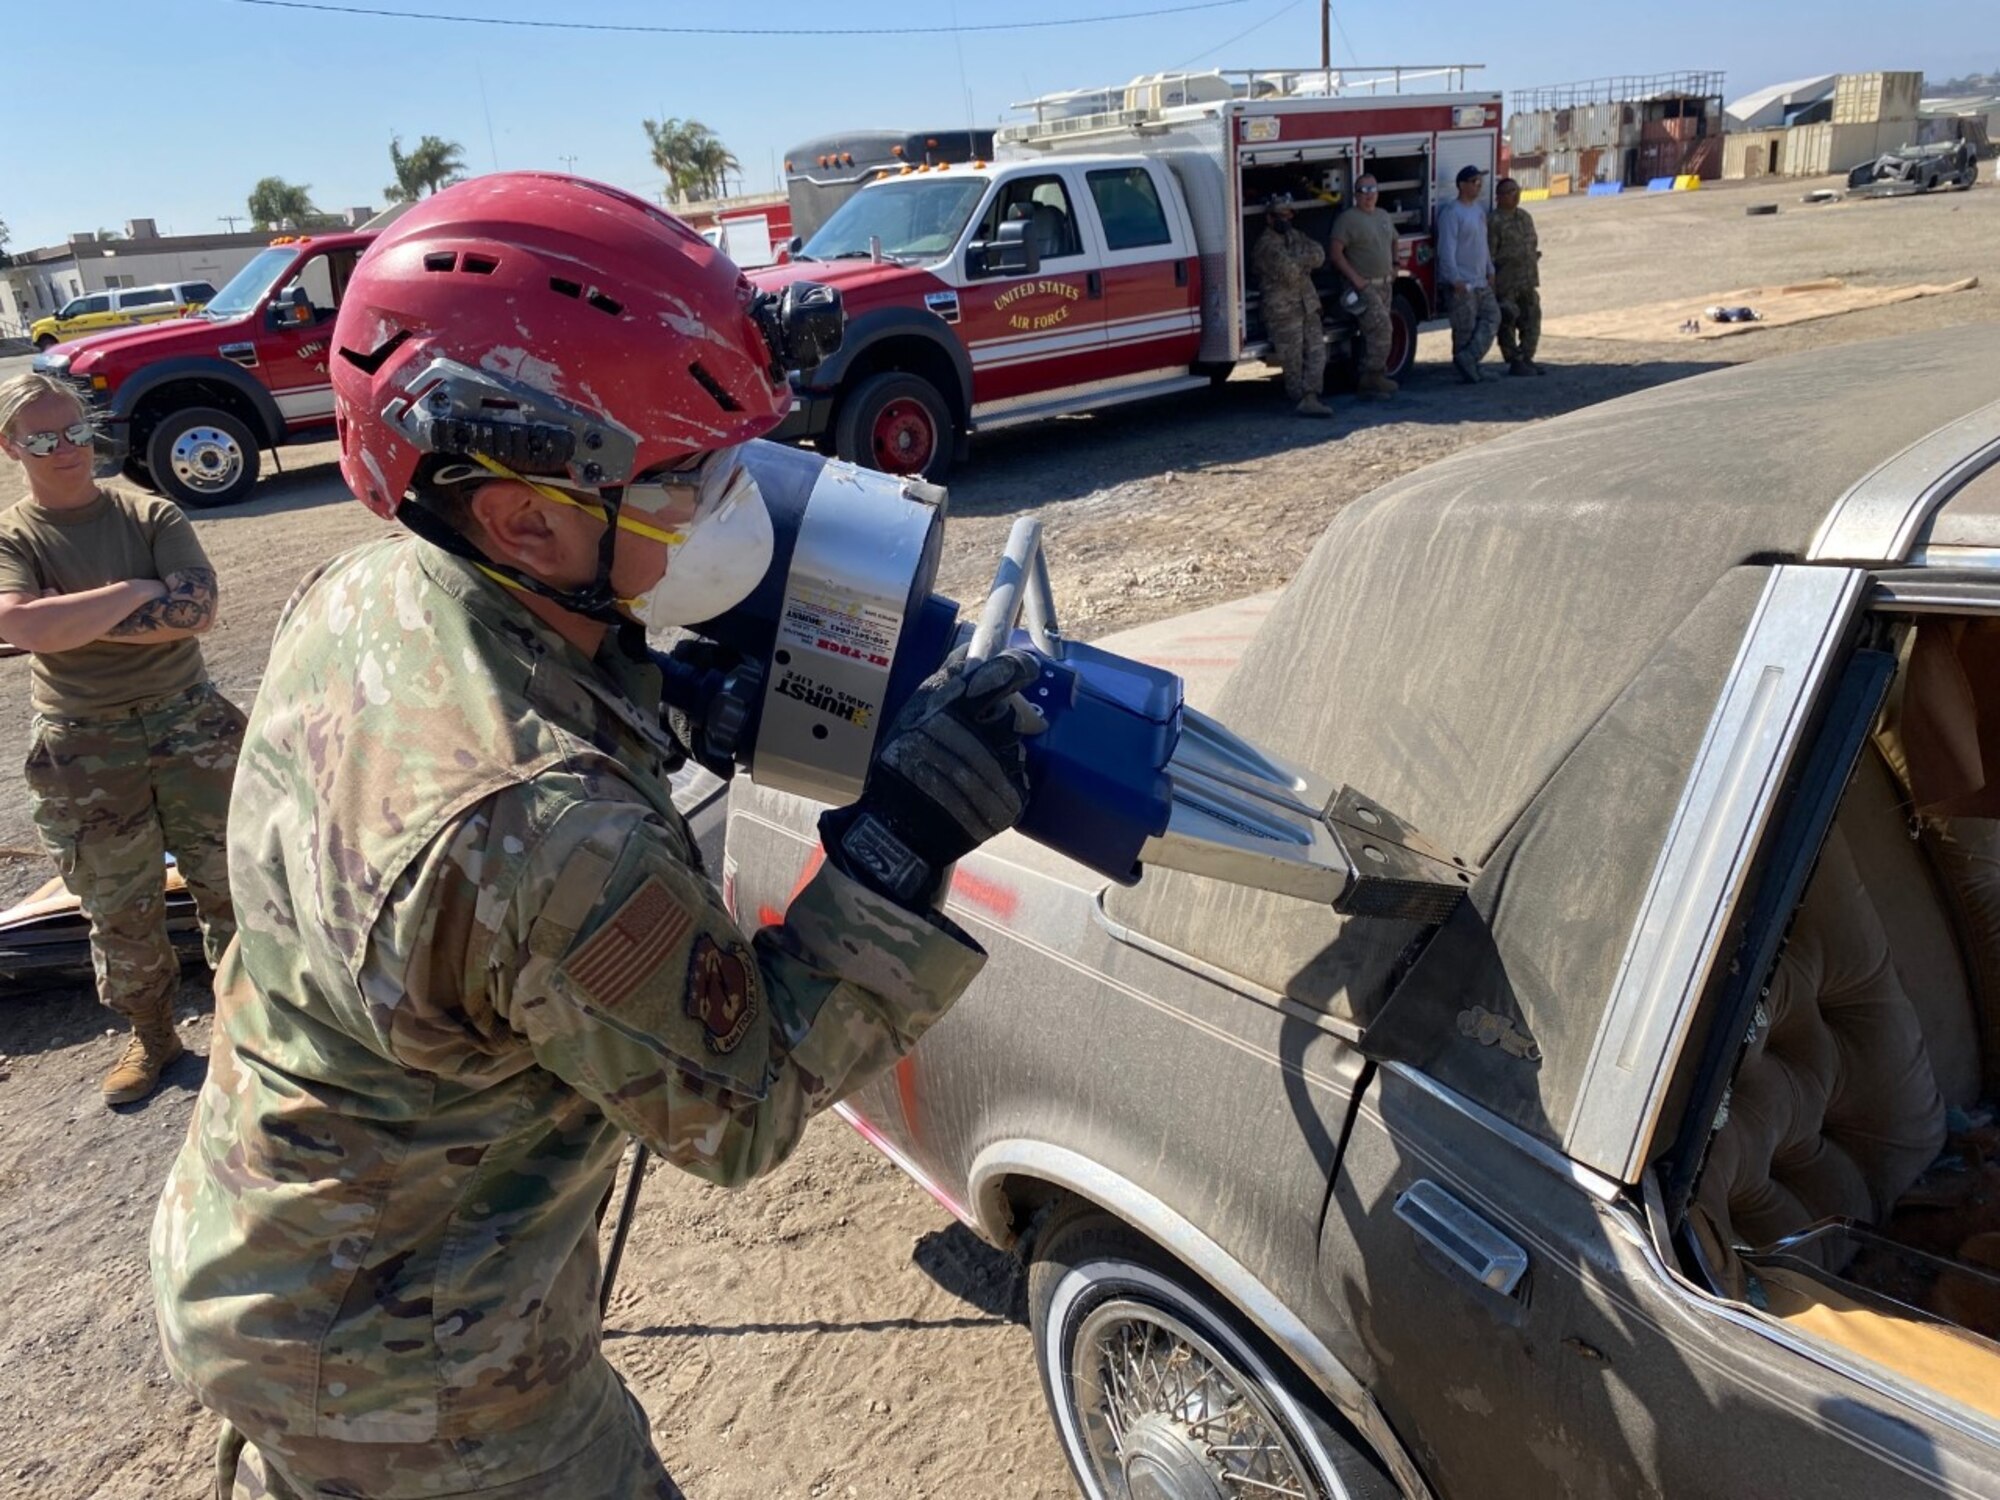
<point x="558" y="326"/>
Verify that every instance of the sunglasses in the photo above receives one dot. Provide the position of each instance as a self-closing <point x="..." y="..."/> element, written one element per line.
<point x="42" y="444"/>
<point x="678" y="497"/>
<point x="1367" y="187"/>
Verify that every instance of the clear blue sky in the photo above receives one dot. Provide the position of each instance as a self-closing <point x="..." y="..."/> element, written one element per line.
<point x="172" y="109"/>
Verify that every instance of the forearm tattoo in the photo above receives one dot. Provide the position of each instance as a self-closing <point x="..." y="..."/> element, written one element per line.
<point x="189" y="605"/>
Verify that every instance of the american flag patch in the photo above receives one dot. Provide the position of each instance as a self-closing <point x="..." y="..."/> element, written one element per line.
<point x="630" y="948"/>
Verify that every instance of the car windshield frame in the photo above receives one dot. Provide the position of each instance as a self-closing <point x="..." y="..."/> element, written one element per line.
<point x="249" y="288"/>
<point x="878" y="208"/>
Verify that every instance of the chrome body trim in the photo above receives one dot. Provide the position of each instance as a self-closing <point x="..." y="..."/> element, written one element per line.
<point x="1751" y="738"/>
<point x="1575" y="1173"/>
<point x="1164" y="1227"/>
<point x="1879" y="519"/>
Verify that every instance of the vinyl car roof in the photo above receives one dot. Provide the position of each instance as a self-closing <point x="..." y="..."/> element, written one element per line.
<point x="1517" y="649"/>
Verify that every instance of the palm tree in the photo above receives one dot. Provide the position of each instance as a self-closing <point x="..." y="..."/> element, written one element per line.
<point x="273" y="201"/>
<point x="432" y="163"/>
<point x="714" y="161"/>
<point x="695" y="161"/>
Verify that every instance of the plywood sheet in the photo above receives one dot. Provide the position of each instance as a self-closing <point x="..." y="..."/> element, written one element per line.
<point x="1800" y="302"/>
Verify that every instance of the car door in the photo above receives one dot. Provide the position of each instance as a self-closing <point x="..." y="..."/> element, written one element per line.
<point x="294" y="336"/>
<point x="1036" y="336"/>
<point x="87" y="315"/>
<point x="150" y="304"/>
<point x="1513" y="1283"/>
<point x="1151" y="277"/>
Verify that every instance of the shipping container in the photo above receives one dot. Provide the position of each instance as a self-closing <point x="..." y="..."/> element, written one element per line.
<point x="1865" y="98"/>
<point x="1753" y="153"/>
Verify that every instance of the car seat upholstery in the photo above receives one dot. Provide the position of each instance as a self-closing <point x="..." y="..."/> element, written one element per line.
<point x="1836" y="1108"/>
<point x="1051" y="228"/>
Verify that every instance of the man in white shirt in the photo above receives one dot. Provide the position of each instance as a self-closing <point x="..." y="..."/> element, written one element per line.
<point x="1465" y="275"/>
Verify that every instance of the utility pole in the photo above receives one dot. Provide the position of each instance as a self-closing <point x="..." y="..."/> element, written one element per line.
<point x="229" y="219"/>
<point x="569" y="164"/>
<point x="1326" y="34"/>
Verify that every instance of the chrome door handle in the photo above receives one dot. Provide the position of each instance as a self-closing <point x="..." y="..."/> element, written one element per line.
<point x="1462" y="1237"/>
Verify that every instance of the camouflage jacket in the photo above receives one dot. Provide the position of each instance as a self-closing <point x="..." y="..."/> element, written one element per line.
<point x="1510" y="235"/>
<point x="475" y="950"/>
<point x="1284" y="264"/>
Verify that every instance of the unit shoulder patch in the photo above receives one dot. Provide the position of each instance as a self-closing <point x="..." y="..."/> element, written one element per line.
<point x="719" y="993"/>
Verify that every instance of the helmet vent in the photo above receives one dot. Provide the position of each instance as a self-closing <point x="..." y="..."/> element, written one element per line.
<point x="440" y="260"/>
<point x="566" y="288"/>
<point x="478" y="265"/>
<point x="370" y="363"/>
<point x="714" y="387"/>
<point x="605" y="304"/>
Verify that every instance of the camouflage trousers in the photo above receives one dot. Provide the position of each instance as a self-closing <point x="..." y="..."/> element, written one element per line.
<point x="1520" y="323"/>
<point x="1475" y="316"/>
<point x="604" y="1452"/>
<point x="1374" y="321"/>
<point x="112" y="795"/>
<point x="1302" y="358"/>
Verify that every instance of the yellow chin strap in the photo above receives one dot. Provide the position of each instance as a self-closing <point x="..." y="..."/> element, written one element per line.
<point x="550" y="492"/>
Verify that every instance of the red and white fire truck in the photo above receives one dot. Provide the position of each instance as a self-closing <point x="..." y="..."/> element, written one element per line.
<point x="1103" y="256"/>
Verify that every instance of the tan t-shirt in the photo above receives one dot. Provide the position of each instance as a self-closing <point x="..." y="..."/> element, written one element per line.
<point x="1370" y="242"/>
<point x="115" y="538"/>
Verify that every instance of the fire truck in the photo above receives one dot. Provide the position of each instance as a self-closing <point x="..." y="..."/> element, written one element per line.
<point x="823" y="173"/>
<point x="1102" y="255"/>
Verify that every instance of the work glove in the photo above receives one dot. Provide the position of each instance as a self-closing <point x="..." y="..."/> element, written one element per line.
<point x="703" y="659"/>
<point x="949" y="773"/>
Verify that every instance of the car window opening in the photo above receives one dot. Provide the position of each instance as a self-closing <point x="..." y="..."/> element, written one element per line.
<point x="1852" y="1184"/>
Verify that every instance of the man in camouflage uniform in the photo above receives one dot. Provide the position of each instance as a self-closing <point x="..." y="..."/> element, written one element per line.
<point x="1284" y="261"/>
<point x="478" y="944"/>
<point x="1465" y="275"/>
<point x="132" y="750"/>
<point x="1517" y="279"/>
<point x="1364" y="251"/>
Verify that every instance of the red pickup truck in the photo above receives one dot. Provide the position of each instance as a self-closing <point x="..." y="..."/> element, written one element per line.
<point x="187" y="406"/>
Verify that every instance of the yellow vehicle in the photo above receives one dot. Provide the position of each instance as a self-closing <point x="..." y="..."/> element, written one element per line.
<point x="117" y="307"/>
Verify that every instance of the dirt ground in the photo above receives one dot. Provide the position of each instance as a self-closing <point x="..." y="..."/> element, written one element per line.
<point x="830" y="1331"/>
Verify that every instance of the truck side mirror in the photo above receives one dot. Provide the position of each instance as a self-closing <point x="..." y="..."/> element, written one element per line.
<point x="1011" y="252"/>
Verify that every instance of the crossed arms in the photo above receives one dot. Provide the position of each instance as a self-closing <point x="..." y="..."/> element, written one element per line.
<point x="137" y="612"/>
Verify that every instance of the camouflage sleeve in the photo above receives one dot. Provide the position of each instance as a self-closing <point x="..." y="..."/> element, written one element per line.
<point x="636" y="987"/>
<point x="1313" y="255"/>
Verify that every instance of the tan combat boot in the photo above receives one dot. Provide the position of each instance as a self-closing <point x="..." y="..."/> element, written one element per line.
<point x="154" y="1047"/>
<point x="1312" y="406"/>
<point x="1376" y="385"/>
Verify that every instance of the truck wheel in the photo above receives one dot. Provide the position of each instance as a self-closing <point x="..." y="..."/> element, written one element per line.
<point x="1158" y="1389"/>
<point x="46" y="342"/>
<point x="1403" y="323"/>
<point x="202" y="457"/>
<point x="897" y="423"/>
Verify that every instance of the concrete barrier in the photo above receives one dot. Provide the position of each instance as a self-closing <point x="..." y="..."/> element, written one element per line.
<point x="1606" y="189"/>
<point x="1686" y="184"/>
<point x="1660" y="185"/>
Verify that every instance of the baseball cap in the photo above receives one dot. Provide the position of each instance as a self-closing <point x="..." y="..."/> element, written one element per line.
<point x="1468" y="172"/>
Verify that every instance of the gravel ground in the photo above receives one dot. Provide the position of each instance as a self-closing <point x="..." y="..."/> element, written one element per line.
<point x="829" y="1331"/>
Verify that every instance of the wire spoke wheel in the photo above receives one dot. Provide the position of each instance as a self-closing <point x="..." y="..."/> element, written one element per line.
<point x="1164" y="1416"/>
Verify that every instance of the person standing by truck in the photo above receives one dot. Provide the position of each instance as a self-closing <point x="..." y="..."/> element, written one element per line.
<point x="1517" y="279"/>
<point x="133" y="750"/>
<point x="1363" y="249"/>
<point x="1465" y="275"/>
<point x="1285" y="260"/>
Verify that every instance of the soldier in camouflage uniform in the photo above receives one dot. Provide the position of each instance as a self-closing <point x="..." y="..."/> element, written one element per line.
<point x="1517" y="278"/>
<point x="478" y="945"/>
<point x="1284" y="261"/>
<point x="1363" y="250"/>
<point x="132" y="751"/>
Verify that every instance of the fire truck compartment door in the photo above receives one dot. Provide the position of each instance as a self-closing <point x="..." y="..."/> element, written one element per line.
<point x="1035" y="336"/>
<point x="1151" y="277"/>
<point x="1457" y="149"/>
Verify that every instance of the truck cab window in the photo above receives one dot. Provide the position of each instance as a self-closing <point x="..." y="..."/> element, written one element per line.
<point x="1129" y="205"/>
<point x="1043" y="203"/>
